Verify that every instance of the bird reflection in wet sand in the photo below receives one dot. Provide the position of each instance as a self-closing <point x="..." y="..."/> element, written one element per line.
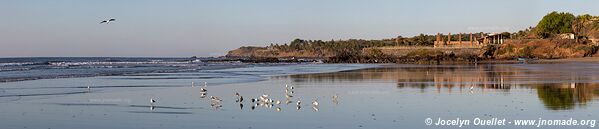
<point x="254" y="106"/>
<point x="203" y="95"/>
<point x="289" y="87"/>
<point x="241" y="106"/>
<point x="216" y="106"/>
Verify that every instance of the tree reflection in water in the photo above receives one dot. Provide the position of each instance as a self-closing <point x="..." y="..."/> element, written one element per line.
<point x="566" y="96"/>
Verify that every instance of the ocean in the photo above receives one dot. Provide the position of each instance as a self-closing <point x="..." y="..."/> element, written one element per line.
<point x="20" y="69"/>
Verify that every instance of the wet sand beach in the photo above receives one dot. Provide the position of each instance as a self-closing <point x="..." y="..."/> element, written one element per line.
<point x="376" y="96"/>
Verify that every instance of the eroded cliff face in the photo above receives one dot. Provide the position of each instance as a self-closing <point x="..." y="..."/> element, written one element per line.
<point x="544" y="49"/>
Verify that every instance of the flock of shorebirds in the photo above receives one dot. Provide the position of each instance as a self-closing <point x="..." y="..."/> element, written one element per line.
<point x="263" y="100"/>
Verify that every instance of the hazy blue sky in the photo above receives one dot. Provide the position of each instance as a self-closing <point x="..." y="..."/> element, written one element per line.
<point x="183" y="28"/>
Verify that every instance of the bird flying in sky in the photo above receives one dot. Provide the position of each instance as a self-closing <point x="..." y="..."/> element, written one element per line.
<point x="108" y="21"/>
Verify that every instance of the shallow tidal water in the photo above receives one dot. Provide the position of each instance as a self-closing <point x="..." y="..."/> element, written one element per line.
<point x="367" y="96"/>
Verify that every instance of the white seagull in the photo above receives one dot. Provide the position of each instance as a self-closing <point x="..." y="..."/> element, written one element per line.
<point x="215" y="99"/>
<point x="315" y="102"/>
<point x="277" y="102"/>
<point x="335" y="99"/>
<point x="108" y="21"/>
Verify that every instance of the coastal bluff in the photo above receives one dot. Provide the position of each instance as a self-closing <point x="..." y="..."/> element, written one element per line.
<point x="509" y="50"/>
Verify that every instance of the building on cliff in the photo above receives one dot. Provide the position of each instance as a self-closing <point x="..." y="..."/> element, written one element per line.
<point x="475" y="40"/>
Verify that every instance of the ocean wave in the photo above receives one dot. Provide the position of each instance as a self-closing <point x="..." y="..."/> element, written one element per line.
<point x="14" y="69"/>
<point x="23" y="69"/>
<point x="117" y="63"/>
<point x="17" y="63"/>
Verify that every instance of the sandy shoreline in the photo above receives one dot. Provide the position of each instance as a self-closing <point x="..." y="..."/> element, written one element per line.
<point x="386" y="97"/>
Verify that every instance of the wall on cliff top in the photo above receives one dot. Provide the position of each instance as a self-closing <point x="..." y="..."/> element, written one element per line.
<point x="411" y="51"/>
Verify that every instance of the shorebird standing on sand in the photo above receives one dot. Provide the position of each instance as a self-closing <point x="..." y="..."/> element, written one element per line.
<point x="239" y="98"/>
<point x="315" y="103"/>
<point x="152" y="101"/>
<point x="215" y="99"/>
<point x="215" y="102"/>
<point x="335" y="99"/>
<point x="203" y="89"/>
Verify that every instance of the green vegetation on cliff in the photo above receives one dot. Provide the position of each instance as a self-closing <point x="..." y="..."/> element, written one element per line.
<point x="555" y="23"/>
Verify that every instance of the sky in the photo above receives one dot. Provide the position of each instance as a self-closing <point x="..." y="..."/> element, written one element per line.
<point x="185" y="28"/>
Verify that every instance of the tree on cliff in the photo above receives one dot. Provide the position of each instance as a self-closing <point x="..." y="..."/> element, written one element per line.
<point x="555" y="23"/>
<point x="582" y="25"/>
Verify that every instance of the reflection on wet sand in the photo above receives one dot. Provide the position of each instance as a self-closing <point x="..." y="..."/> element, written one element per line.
<point x="567" y="95"/>
<point x="558" y="89"/>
